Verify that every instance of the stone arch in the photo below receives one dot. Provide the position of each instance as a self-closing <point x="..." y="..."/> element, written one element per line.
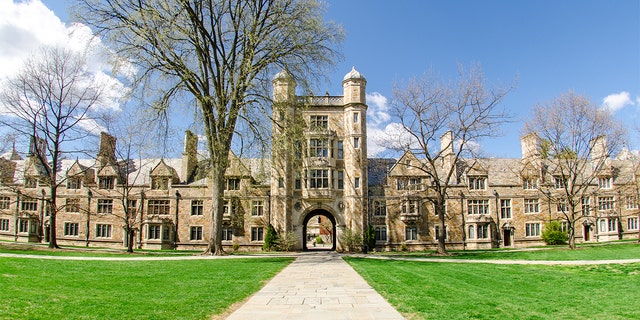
<point x="319" y="212"/>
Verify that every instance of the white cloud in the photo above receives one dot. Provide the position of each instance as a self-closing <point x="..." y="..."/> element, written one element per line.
<point x="390" y="137"/>
<point x="378" y="111"/>
<point x="26" y="26"/>
<point x="617" y="101"/>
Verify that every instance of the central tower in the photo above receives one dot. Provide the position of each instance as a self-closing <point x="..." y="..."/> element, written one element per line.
<point x="319" y="163"/>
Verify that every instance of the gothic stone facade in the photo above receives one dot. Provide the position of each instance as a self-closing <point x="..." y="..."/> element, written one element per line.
<point x="322" y="171"/>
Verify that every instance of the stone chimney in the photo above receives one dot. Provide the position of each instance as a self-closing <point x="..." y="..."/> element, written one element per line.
<point x="37" y="146"/>
<point x="189" y="156"/>
<point x="107" y="151"/>
<point x="598" y="147"/>
<point x="530" y="144"/>
<point x="446" y="148"/>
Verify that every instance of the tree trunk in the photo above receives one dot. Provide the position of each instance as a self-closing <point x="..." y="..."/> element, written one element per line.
<point x="572" y="238"/>
<point x="130" y="235"/>
<point x="217" y="199"/>
<point x="53" y="241"/>
<point x="441" y="250"/>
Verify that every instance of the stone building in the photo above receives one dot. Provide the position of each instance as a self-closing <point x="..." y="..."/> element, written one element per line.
<point x="318" y="172"/>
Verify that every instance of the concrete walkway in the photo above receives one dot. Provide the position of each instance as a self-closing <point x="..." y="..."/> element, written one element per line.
<point x="317" y="286"/>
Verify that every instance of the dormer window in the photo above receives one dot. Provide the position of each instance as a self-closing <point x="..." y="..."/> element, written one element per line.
<point x="529" y="183"/>
<point x="233" y="184"/>
<point x="560" y="182"/>
<point x="30" y="182"/>
<point x="477" y="183"/>
<point x="74" y="183"/>
<point x="106" y="182"/>
<point x="605" y="182"/>
<point x="160" y="183"/>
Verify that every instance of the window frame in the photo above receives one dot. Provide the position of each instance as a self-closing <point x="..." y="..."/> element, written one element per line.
<point x="103" y="230"/>
<point x="257" y="234"/>
<point x="71" y="229"/>
<point x="197" y="207"/>
<point x="104" y="206"/>
<point x="531" y="205"/>
<point x="195" y="233"/>
<point x="532" y="229"/>
<point x="158" y="207"/>
<point x="477" y="182"/>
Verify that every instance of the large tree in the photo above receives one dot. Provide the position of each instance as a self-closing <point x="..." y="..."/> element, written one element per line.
<point x="577" y="138"/>
<point x="461" y="111"/>
<point x="220" y="52"/>
<point x="55" y="101"/>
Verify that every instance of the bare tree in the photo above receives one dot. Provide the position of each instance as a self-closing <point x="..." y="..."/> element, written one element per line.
<point x="219" y="52"/>
<point x="134" y="142"/>
<point x="456" y="113"/>
<point x="577" y="139"/>
<point x="53" y="100"/>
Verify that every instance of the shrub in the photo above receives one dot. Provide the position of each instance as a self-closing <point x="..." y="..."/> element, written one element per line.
<point x="286" y="241"/>
<point x="270" y="239"/>
<point x="351" y="240"/>
<point x="369" y="237"/>
<point x="403" y="247"/>
<point x="553" y="234"/>
<point x="319" y="240"/>
<point x="235" y="246"/>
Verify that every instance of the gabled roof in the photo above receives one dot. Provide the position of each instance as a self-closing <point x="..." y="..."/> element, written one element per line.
<point x="408" y="165"/>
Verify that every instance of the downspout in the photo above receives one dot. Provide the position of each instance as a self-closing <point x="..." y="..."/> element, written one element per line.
<point x="141" y="219"/>
<point x="175" y="229"/>
<point x="464" y="223"/>
<point x="89" y="195"/>
<point x="15" y="218"/>
<point x="498" y="238"/>
<point x="41" y="230"/>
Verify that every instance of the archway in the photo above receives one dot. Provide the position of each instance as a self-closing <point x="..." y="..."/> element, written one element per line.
<point x="314" y="222"/>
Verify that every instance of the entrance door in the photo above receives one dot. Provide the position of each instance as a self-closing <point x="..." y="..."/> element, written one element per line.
<point x="506" y="236"/>
<point x="587" y="233"/>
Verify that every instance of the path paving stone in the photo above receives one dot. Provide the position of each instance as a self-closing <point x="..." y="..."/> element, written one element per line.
<point x="317" y="286"/>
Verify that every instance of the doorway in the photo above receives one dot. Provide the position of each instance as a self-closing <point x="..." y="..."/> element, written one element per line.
<point x="587" y="232"/>
<point x="319" y="231"/>
<point x="506" y="236"/>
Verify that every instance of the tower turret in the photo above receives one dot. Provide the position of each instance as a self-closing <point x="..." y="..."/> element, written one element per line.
<point x="354" y="85"/>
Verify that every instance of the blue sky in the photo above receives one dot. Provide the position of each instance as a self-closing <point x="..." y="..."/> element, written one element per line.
<point x="550" y="47"/>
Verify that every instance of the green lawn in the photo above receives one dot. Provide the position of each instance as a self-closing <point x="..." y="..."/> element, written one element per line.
<point x="616" y="251"/>
<point x="426" y="290"/>
<point x="184" y="289"/>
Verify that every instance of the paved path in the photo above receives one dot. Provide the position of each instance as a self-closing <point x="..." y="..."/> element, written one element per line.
<point x="317" y="286"/>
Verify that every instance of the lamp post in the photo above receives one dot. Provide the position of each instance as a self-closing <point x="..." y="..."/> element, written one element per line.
<point x="496" y="195"/>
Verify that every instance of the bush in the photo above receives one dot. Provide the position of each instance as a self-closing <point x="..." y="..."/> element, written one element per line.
<point x="286" y="241"/>
<point x="319" y="240"/>
<point x="553" y="234"/>
<point x="351" y="240"/>
<point x="369" y="237"/>
<point x="270" y="239"/>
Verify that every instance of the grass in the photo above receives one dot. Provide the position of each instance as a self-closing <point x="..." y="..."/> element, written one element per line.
<point x="184" y="289"/>
<point x="423" y="290"/>
<point x="621" y="250"/>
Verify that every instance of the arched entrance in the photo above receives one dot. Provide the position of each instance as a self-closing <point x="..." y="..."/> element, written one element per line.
<point x="315" y="224"/>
